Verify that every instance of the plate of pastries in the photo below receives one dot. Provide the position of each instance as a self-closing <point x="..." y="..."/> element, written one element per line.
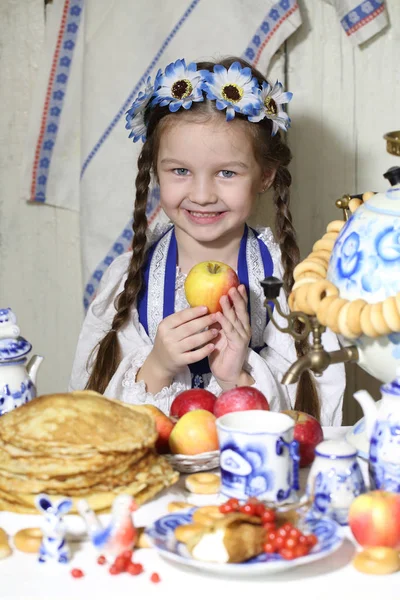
<point x="244" y="537"/>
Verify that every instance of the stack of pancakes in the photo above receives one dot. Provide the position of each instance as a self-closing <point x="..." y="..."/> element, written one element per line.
<point x="79" y="445"/>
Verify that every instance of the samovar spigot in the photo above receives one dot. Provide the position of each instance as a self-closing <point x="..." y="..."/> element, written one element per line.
<point x="299" y="326"/>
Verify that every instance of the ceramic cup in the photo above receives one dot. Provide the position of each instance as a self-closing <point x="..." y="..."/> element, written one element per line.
<point x="335" y="479"/>
<point x="259" y="457"/>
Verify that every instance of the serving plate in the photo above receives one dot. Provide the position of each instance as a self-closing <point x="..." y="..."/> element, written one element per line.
<point x="330" y="536"/>
<point x="185" y="463"/>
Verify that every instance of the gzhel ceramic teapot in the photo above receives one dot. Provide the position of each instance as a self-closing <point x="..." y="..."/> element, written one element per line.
<point x="365" y="263"/>
<point x="382" y="429"/>
<point x="17" y="380"/>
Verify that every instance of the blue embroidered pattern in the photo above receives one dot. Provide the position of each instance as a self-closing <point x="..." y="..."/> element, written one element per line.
<point x="361" y="12"/>
<point x="56" y="98"/>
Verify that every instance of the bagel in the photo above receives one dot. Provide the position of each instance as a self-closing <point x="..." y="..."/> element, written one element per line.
<point x="391" y="313"/>
<point x="319" y="290"/>
<point x="326" y="245"/>
<point x="5" y="548"/>
<point x="203" y="483"/>
<point x="323" y="309"/>
<point x="354" y="316"/>
<point x="354" y="203"/>
<point x="366" y="324"/>
<point x="309" y="265"/>
<point x="367" y="195"/>
<point x="176" y="506"/>
<point x="332" y="313"/>
<point x="301" y="300"/>
<point x="377" y="319"/>
<point x="343" y="322"/>
<point x="335" y="226"/>
<point x="28" y="540"/>
<point x="377" y="560"/>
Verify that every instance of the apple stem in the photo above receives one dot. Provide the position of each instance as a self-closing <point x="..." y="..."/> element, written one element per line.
<point x="213" y="268"/>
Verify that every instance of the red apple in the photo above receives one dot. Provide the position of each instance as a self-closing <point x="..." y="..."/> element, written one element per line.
<point x="192" y="400"/>
<point x="308" y="432"/>
<point x="164" y="425"/>
<point x="194" y="433"/>
<point x="374" y="519"/>
<point x="207" y="281"/>
<point x="240" y="398"/>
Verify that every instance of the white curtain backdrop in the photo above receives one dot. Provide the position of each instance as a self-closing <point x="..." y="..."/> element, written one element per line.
<point x="96" y="58"/>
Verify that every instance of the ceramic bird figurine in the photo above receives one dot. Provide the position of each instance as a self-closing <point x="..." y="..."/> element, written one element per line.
<point x="119" y="535"/>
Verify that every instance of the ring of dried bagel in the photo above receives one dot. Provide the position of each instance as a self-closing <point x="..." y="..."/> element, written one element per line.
<point x="28" y="540"/>
<point x="176" y="506"/>
<point x="377" y="560"/>
<point x="203" y="483"/>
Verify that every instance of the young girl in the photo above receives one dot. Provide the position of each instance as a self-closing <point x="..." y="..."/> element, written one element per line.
<point x="212" y="140"/>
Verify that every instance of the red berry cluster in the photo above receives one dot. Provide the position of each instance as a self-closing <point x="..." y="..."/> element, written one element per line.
<point x="285" y="540"/>
<point x="123" y="564"/>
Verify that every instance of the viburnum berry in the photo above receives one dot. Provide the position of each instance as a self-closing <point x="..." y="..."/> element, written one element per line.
<point x="301" y="550"/>
<point x="311" y="540"/>
<point x="248" y="509"/>
<point x="155" y="578"/>
<point x="269" y="526"/>
<point x="135" y="568"/>
<point x="287" y="553"/>
<point x="234" y="503"/>
<point x="113" y="570"/>
<point x="101" y="560"/>
<point x="269" y="547"/>
<point x="226" y="508"/>
<point x="77" y="573"/>
<point x="268" y="516"/>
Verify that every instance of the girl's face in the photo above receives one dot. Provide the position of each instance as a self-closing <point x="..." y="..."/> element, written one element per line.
<point x="209" y="177"/>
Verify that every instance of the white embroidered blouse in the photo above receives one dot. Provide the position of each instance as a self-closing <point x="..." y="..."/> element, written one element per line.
<point x="266" y="368"/>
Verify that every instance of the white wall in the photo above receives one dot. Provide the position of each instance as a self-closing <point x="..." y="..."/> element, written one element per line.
<point x="345" y="100"/>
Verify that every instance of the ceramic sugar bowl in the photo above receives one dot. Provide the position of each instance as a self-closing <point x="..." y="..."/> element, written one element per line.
<point x="365" y="264"/>
<point x="17" y="379"/>
<point x="335" y="479"/>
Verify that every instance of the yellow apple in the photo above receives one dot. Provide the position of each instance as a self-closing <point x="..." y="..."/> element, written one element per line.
<point x="194" y="433"/>
<point x="207" y="281"/>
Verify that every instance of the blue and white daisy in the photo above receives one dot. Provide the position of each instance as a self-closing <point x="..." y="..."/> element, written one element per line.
<point x="135" y="115"/>
<point x="273" y="99"/>
<point x="179" y="86"/>
<point x="234" y="89"/>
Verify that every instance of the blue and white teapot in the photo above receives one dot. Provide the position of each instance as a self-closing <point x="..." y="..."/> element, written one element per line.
<point x="382" y="429"/>
<point x="17" y="380"/>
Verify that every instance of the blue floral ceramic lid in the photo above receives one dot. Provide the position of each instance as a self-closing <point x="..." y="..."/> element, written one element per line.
<point x="12" y="345"/>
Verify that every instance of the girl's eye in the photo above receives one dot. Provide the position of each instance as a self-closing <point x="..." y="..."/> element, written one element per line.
<point x="181" y="171"/>
<point x="227" y="174"/>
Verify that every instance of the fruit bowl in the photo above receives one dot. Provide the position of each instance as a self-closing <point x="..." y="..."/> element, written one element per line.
<point x="185" y="463"/>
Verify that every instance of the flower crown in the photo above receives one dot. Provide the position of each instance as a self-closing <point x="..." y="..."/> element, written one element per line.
<point x="234" y="89"/>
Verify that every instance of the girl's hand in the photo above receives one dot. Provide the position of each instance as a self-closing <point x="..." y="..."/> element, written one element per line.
<point x="182" y="340"/>
<point x="231" y="345"/>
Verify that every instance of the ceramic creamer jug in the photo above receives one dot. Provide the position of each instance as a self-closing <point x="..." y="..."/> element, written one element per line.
<point x="17" y="379"/>
<point x="365" y="263"/>
<point x="335" y="479"/>
<point x="382" y="429"/>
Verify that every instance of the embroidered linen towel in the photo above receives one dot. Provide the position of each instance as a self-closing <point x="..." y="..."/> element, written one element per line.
<point x="97" y="56"/>
<point x="361" y="19"/>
